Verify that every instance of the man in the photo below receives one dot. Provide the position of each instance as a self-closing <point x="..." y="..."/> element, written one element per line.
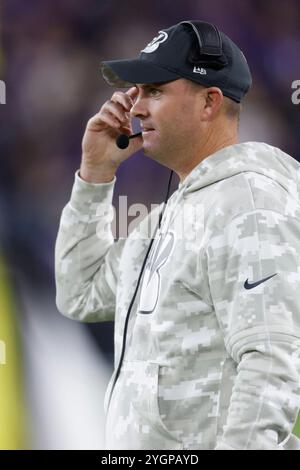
<point x="206" y="309"/>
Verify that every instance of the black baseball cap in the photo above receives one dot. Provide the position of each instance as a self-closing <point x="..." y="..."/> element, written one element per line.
<point x="195" y="50"/>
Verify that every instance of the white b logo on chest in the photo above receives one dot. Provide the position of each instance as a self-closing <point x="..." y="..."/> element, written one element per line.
<point x="160" y="253"/>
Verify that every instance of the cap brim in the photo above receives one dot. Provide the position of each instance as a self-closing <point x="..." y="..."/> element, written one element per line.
<point x="126" y="72"/>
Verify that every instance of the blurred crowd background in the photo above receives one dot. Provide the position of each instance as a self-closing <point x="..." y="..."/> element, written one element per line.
<point x="53" y="371"/>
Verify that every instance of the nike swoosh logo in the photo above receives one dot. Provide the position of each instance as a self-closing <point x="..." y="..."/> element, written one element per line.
<point x="247" y="285"/>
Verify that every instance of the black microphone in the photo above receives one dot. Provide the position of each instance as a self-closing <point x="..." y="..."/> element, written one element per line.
<point x="122" y="140"/>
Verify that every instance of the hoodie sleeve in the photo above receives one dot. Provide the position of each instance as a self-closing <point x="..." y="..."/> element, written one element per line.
<point x="86" y="257"/>
<point x="254" y="278"/>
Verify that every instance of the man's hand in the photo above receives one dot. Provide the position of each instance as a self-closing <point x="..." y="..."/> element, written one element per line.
<point x="100" y="154"/>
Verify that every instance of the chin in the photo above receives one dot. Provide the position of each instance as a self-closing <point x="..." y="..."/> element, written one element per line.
<point x="147" y="150"/>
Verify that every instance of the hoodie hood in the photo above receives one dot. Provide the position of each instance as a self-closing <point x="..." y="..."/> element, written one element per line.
<point x="256" y="157"/>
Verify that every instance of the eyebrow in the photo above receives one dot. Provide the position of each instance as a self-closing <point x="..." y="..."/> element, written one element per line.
<point x="148" y="85"/>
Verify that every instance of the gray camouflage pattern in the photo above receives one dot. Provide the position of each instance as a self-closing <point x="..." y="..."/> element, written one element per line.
<point x="208" y="363"/>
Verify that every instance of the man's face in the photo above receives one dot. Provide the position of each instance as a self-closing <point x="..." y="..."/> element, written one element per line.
<point x="170" y="117"/>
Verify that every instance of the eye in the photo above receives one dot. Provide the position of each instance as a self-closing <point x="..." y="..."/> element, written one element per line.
<point x="154" y="91"/>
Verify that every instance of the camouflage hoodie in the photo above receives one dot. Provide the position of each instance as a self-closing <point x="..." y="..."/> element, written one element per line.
<point x="213" y="341"/>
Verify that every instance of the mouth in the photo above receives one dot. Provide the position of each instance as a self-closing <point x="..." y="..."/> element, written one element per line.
<point x="147" y="130"/>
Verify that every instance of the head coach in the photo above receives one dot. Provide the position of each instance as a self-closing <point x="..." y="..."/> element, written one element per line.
<point x="207" y="318"/>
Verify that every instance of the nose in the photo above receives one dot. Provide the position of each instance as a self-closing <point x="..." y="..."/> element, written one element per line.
<point x="139" y="109"/>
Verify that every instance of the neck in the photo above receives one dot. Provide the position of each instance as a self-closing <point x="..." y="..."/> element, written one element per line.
<point x="213" y="142"/>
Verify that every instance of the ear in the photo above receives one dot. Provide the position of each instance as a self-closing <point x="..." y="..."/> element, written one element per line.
<point x="213" y="103"/>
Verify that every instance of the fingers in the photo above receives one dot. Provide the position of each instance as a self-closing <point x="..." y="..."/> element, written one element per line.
<point x="109" y="119"/>
<point x="119" y="107"/>
<point x="132" y="92"/>
<point x="102" y="120"/>
<point x="115" y="112"/>
<point x="123" y="99"/>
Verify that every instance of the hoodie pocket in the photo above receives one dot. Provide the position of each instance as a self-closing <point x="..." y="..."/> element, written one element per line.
<point x="161" y="425"/>
<point x="146" y="403"/>
<point x="133" y="418"/>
